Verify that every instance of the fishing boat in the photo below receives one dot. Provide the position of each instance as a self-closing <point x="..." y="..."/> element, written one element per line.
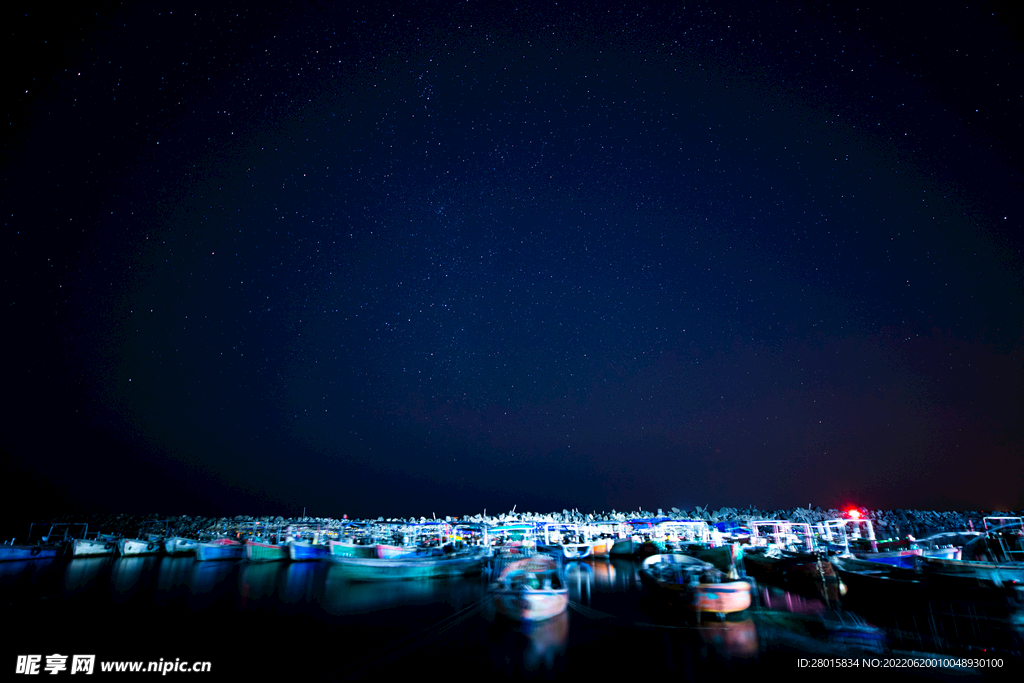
<point x="649" y="536"/>
<point x="980" y="614"/>
<point x="46" y="547"/>
<point x="305" y="544"/>
<point x="150" y="540"/>
<point x="678" y="536"/>
<point x="531" y="589"/>
<point x="355" y="539"/>
<point x="136" y="546"/>
<point x="178" y="545"/>
<point x="263" y="545"/>
<point x="995" y="555"/>
<point x="727" y="557"/>
<point x="10" y="552"/>
<point x="93" y="547"/>
<point x="305" y="551"/>
<point x="639" y="537"/>
<point x="947" y="545"/>
<point x="423" y="538"/>
<point x="784" y="552"/>
<point x="564" y="540"/>
<point x="425" y="565"/>
<point x="600" y="543"/>
<point x="219" y="549"/>
<point x="261" y="551"/>
<point x="466" y="534"/>
<point x="869" y="581"/>
<point x="693" y="585"/>
<point x="624" y="546"/>
<point x="98" y="545"/>
<point x="513" y="539"/>
<point x="351" y="549"/>
<point x="1001" y="542"/>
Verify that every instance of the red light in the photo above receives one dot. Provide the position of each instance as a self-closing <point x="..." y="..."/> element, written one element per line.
<point x="854" y="514"/>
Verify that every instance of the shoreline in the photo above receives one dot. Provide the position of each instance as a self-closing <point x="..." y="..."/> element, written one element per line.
<point x="896" y="523"/>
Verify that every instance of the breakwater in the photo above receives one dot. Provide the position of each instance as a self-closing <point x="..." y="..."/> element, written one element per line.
<point x="888" y="523"/>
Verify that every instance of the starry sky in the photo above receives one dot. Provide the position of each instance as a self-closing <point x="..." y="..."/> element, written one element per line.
<point x="441" y="257"/>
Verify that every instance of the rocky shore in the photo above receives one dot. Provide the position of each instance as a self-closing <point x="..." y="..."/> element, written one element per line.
<point x="888" y="523"/>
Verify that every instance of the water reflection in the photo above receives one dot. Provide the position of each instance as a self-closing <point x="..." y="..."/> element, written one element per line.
<point x="604" y="573"/>
<point x="342" y="596"/>
<point x="256" y="581"/>
<point x="773" y="598"/>
<point x="580" y="576"/>
<point x="28" y="576"/>
<point x="298" y="582"/>
<point x="82" y="573"/>
<point x="518" y="648"/>
<point x="205" y="575"/>
<point x="609" y="611"/>
<point x="616" y="574"/>
<point x="124" y="579"/>
<point x="173" y="573"/>
<point x="731" y="639"/>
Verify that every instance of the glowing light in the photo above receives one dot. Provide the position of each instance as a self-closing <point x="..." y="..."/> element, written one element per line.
<point x="855" y="514"/>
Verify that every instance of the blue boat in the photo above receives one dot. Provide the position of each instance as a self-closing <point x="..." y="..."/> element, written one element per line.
<point x="301" y="551"/>
<point x="17" y="553"/>
<point x="221" y="549"/>
<point x="47" y="547"/>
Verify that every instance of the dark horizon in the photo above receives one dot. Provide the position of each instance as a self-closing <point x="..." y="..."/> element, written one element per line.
<point x="411" y="259"/>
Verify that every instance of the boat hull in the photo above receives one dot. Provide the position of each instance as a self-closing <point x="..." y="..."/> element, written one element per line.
<point x="896" y="558"/>
<point x="675" y="579"/>
<point x="408" y="568"/>
<point x="265" y="552"/>
<point x="987" y="572"/>
<point x="705" y="598"/>
<point x="724" y="557"/>
<point x="624" y="547"/>
<point x="797" y="569"/>
<point x="568" y="551"/>
<point x="342" y="549"/>
<point x="219" y="550"/>
<point x="82" y="547"/>
<point x="307" y="552"/>
<point x="531" y="590"/>
<point x="180" y="546"/>
<point x="135" y="546"/>
<point x="18" y="553"/>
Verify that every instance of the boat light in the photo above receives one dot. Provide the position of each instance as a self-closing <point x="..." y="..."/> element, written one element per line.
<point x="855" y="514"/>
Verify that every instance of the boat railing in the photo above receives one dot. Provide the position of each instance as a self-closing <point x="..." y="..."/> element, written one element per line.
<point x="842" y="532"/>
<point x="686" y="531"/>
<point x="1003" y="523"/>
<point x="1009" y="536"/>
<point x="782" y="534"/>
<point x="59" y="532"/>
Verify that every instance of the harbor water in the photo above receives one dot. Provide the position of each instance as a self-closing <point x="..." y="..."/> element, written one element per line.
<point x="303" y="619"/>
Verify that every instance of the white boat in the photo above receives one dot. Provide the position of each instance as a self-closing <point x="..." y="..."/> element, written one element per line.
<point x="150" y="540"/>
<point x="177" y="545"/>
<point x="91" y="547"/>
<point x="531" y="589"/>
<point x="136" y="546"/>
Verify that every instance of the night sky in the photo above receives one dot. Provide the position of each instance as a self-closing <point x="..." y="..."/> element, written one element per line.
<point x="414" y="258"/>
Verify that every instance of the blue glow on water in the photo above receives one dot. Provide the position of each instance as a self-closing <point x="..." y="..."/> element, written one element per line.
<point x="269" y="618"/>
